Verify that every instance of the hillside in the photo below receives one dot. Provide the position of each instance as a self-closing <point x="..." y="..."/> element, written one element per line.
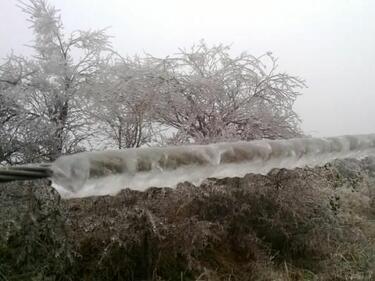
<point x="301" y="224"/>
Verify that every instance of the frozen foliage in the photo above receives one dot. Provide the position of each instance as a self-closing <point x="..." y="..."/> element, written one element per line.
<point x="44" y="94"/>
<point x="76" y="93"/>
<point x="100" y="173"/>
<point x="121" y="102"/>
<point x="209" y="95"/>
<point x="300" y="224"/>
<point x="17" y="140"/>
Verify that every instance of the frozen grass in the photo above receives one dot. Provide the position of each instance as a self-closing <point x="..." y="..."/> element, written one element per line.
<point x="301" y="224"/>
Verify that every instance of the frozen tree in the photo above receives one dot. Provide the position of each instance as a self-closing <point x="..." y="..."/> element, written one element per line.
<point x="76" y="91"/>
<point x="208" y="95"/>
<point x="63" y="66"/>
<point x="9" y="109"/>
<point x="122" y="99"/>
<point x="17" y="139"/>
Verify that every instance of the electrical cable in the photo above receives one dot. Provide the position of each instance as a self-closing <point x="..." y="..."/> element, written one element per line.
<point x="9" y="174"/>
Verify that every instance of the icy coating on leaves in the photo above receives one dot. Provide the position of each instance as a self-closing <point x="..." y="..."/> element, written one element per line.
<point x="108" y="172"/>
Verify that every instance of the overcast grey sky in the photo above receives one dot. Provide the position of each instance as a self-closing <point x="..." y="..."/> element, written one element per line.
<point x="329" y="43"/>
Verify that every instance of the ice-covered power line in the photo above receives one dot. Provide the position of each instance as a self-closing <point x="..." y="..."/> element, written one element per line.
<point x="108" y="172"/>
<point x="24" y="173"/>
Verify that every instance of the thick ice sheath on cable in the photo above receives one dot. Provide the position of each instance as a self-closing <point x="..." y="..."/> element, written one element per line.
<point x="107" y="172"/>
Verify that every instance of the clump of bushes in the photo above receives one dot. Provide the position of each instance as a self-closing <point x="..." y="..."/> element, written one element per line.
<point x="33" y="239"/>
<point x="302" y="224"/>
